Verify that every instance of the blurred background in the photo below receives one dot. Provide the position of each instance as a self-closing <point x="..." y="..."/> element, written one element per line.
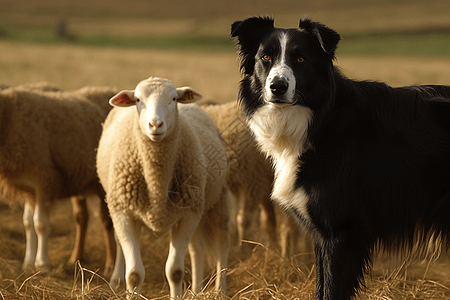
<point x="387" y="40"/>
<point x="199" y="23"/>
<point x="108" y="22"/>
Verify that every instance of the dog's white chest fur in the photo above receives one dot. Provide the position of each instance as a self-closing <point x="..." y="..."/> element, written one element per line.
<point x="281" y="132"/>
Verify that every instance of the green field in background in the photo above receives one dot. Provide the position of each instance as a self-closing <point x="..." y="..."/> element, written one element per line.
<point x="432" y="42"/>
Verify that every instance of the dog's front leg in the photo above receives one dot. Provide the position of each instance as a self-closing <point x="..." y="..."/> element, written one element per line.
<point x="340" y="265"/>
<point x="319" y="271"/>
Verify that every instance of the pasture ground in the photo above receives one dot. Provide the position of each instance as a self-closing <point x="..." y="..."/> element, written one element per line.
<point x="256" y="274"/>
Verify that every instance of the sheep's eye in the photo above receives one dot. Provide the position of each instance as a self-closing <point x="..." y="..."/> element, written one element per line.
<point x="174" y="99"/>
<point x="300" y="59"/>
<point x="266" y="57"/>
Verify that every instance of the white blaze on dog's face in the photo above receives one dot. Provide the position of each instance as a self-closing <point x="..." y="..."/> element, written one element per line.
<point x="280" y="118"/>
<point x="279" y="86"/>
<point x="274" y="68"/>
<point x="156" y="102"/>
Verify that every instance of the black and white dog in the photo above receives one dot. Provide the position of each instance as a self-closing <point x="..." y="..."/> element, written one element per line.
<point x="361" y="164"/>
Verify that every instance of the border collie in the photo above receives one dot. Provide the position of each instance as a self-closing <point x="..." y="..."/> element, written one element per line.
<point x="361" y="164"/>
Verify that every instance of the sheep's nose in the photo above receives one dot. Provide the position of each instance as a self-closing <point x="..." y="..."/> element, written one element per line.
<point x="278" y="86"/>
<point x="156" y="124"/>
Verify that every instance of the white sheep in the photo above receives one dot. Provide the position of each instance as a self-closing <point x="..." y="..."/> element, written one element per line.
<point x="250" y="179"/>
<point x="164" y="166"/>
<point x="47" y="152"/>
<point x="250" y="176"/>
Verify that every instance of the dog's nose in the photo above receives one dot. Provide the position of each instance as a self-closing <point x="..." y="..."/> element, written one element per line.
<point x="278" y="87"/>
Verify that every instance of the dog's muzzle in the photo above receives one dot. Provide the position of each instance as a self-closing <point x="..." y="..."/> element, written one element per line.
<point x="279" y="86"/>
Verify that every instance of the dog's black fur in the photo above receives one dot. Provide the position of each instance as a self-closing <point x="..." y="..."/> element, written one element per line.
<point x="375" y="165"/>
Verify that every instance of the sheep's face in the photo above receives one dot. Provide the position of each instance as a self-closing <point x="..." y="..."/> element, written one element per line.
<point x="156" y="102"/>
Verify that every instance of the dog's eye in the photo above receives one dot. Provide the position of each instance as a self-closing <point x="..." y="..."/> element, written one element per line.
<point x="300" y="59"/>
<point x="266" y="57"/>
<point x="137" y="100"/>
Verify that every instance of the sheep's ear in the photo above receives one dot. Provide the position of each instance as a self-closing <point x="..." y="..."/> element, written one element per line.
<point x="188" y="95"/>
<point x="123" y="99"/>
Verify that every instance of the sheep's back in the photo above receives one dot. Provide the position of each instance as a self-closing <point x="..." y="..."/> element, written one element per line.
<point x="50" y="130"/>
<point x="99" y="95"/>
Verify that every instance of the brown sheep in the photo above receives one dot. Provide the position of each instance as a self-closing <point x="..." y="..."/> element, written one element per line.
<point x="47" y="152"/>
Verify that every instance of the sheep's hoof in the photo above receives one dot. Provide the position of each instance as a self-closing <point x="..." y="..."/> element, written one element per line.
<point x="71" y="265"/>
<point x="134" y="279"/>
<point x="28" y="267"/>
<point x="72" y="261"/>
<point x="115" y="283"/>
<point x="44" y="268"/>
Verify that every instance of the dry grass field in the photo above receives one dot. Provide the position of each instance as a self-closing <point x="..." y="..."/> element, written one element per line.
<point x="215" y="74"/>
<point x="259" y="272"/>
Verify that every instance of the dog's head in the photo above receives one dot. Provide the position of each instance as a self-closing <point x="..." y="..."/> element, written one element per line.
<point x="284" y="66"/>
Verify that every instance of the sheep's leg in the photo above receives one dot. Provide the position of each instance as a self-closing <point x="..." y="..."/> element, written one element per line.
<point x="118" y="274"/>
<point x="128" y="234"/>
<point x="219" y="250"/>
<point x="222" y="250"/>
<point x="242" y="219"/>
<point x="286" y="233"/>
<point x="108" y="233"/>
<point x="289" y="234"/>
<point x="221" y="269"/>
<point x="31" y="237"/>
<point x="42" y="226"/>
<point x="268" y="218"/>
<point x="218" y="237"/>
<point x="284" y="236"/>
<point x="222" y="247"/>
<point x="81" y="216"/>
<point x="197" y="264"/>
<point x="181" y="234"/>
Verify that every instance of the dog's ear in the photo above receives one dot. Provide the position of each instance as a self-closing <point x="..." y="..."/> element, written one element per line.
<point x="248" y="35"/>
<point x="327" y="37"/>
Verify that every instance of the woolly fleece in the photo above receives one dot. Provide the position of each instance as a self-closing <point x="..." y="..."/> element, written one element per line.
<point x="161" y="182"/>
